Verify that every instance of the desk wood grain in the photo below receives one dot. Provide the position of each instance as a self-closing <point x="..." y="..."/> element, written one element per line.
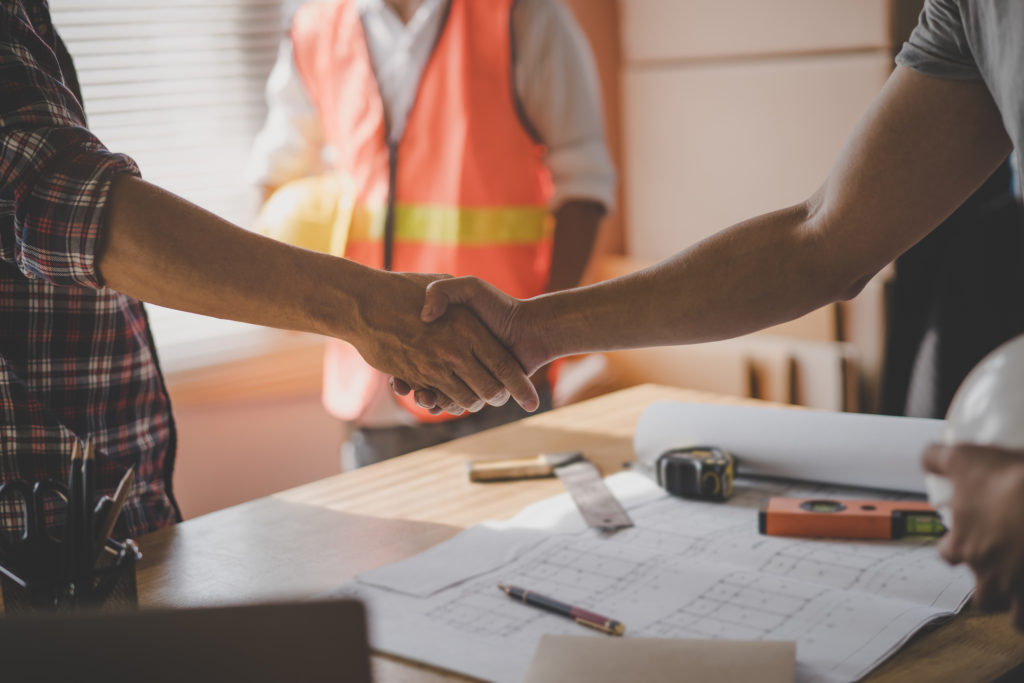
<point x="307" y="540"/>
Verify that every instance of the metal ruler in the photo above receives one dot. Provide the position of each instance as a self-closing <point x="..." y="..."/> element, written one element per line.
<point x="595" y="501"/>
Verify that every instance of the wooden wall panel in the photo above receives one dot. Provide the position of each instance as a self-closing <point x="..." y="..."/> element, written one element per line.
<point x="600" y="21"/>
<point x="666" y="30"/>
<point x="709" y="145"/>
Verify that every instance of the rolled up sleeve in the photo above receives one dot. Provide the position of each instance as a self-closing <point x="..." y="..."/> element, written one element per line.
<point x="558" y="87"/>
<point x="291" y="142"/>
<point x="938" y="45"/>
<point x="55" y="176"/>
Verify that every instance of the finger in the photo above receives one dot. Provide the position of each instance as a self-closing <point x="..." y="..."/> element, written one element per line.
<point x="437" y="402"/>
<point x="435" y="303"/>
<point x="949" y="548"/>
<point x="935" y="458"/>
<point x="503" y="367"/>
<point x="1012" y="588"/>
<point x="479" y="380"/>
<point x="451" y="385"/>
<point x="400" y="387"/>
<point x="988" y="597"/>
<point x="441" y="294"/>
<point x="424" y="279"/>
<point x="425" y="398"/>
<point x="1017" y="613"/>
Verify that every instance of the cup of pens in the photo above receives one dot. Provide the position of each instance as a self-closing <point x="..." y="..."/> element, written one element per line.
<point x="56" y="553"/>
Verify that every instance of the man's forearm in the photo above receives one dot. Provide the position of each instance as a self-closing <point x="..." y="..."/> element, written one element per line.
<point x="576" y="228"/>
<point x="921" y="149"/>
<point x="162" y="249"/>
<point x="696" y="296"/>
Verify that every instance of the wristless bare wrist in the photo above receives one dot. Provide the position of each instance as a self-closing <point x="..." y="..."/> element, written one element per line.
<point x="542" y="324"/>
<point x="337" y="300"/>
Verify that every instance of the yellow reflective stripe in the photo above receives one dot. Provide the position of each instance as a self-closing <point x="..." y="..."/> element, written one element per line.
<point x="367" y="223"/>
<point x="435" y="224"/>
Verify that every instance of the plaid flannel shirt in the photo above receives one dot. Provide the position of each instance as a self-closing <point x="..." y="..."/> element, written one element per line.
<point x="76" y="359"/>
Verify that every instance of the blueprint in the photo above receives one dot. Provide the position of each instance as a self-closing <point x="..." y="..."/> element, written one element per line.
<point x="687" y="569"/>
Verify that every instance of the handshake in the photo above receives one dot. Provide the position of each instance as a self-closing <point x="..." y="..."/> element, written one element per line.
<point x="458" y="343"/>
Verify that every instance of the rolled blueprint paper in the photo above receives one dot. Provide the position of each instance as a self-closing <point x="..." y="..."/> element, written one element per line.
<point x="853" y="449"/>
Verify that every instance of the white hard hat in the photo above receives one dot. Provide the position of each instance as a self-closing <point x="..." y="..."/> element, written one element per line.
<point x="987" y="409"/>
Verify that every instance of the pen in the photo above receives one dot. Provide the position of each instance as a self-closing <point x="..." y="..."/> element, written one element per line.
<point x="72" y="523"/>
<point x="578" y="614"/>
<point x="86" y="523"/>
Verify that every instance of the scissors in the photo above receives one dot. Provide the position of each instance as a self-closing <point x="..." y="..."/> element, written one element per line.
<point x="33" y="542"/>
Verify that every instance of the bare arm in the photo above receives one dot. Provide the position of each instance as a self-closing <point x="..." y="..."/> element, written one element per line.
<point x="576" y="226"/>
<point x="160" y="248"/>
<point x="921" y="149"/>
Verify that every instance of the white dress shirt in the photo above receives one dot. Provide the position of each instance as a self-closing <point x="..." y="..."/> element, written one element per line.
<point x="555" y="79"/>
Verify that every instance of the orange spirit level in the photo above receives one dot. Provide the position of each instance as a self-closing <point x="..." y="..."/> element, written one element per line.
<point x="848" y="518"/>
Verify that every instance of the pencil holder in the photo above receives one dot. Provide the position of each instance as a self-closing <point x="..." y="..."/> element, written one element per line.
<point x="109" y="585"/>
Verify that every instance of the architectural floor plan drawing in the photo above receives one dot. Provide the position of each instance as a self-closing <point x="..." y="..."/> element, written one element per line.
<point x="686" y="570"/>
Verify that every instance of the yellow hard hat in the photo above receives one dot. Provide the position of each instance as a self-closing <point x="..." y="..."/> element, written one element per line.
<point x="312" y="213"/>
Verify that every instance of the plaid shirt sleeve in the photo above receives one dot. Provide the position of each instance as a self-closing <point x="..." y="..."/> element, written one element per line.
<point x="56" y="172"/>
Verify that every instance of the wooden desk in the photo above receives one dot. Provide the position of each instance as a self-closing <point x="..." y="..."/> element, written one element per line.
<point x="310" y="539"/>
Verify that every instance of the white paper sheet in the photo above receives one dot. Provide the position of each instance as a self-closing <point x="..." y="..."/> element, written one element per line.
<point x="851" y="449"/>
<point x="687" y="569"/>
<point x="661" y="660"/>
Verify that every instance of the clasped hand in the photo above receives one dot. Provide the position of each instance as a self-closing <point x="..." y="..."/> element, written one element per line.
<point x="502" y="315"/>
<point x="455" y="363"/>
<point x="988" y="520"/>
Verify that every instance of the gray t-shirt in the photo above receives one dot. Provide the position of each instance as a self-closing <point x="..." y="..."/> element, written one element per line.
<point x="975" y="40"/>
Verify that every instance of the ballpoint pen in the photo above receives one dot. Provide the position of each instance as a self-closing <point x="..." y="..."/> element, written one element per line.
<point x="578" y="614"/>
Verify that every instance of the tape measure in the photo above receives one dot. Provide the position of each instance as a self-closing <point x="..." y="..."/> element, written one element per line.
<point x="704" y="472"/>
<point x="599" y="507"/>
<point x="828" y="518"/>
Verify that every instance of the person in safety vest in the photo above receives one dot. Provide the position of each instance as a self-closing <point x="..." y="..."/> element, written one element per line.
<point x="468" y="135"/>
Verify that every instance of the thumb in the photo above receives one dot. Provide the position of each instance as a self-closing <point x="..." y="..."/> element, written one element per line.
<point x="949" y="547"/>
<point x="439" y="295"/>
<point x="935" y="458"/>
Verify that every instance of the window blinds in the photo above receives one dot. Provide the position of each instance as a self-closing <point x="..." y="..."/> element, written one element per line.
<point x="178" y="85"/>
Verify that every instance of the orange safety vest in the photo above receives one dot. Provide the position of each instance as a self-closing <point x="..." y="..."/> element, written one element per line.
<point x="464" y="192"/>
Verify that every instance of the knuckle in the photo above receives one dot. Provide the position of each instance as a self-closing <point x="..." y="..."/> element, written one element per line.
<point x="506" y="368"/>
